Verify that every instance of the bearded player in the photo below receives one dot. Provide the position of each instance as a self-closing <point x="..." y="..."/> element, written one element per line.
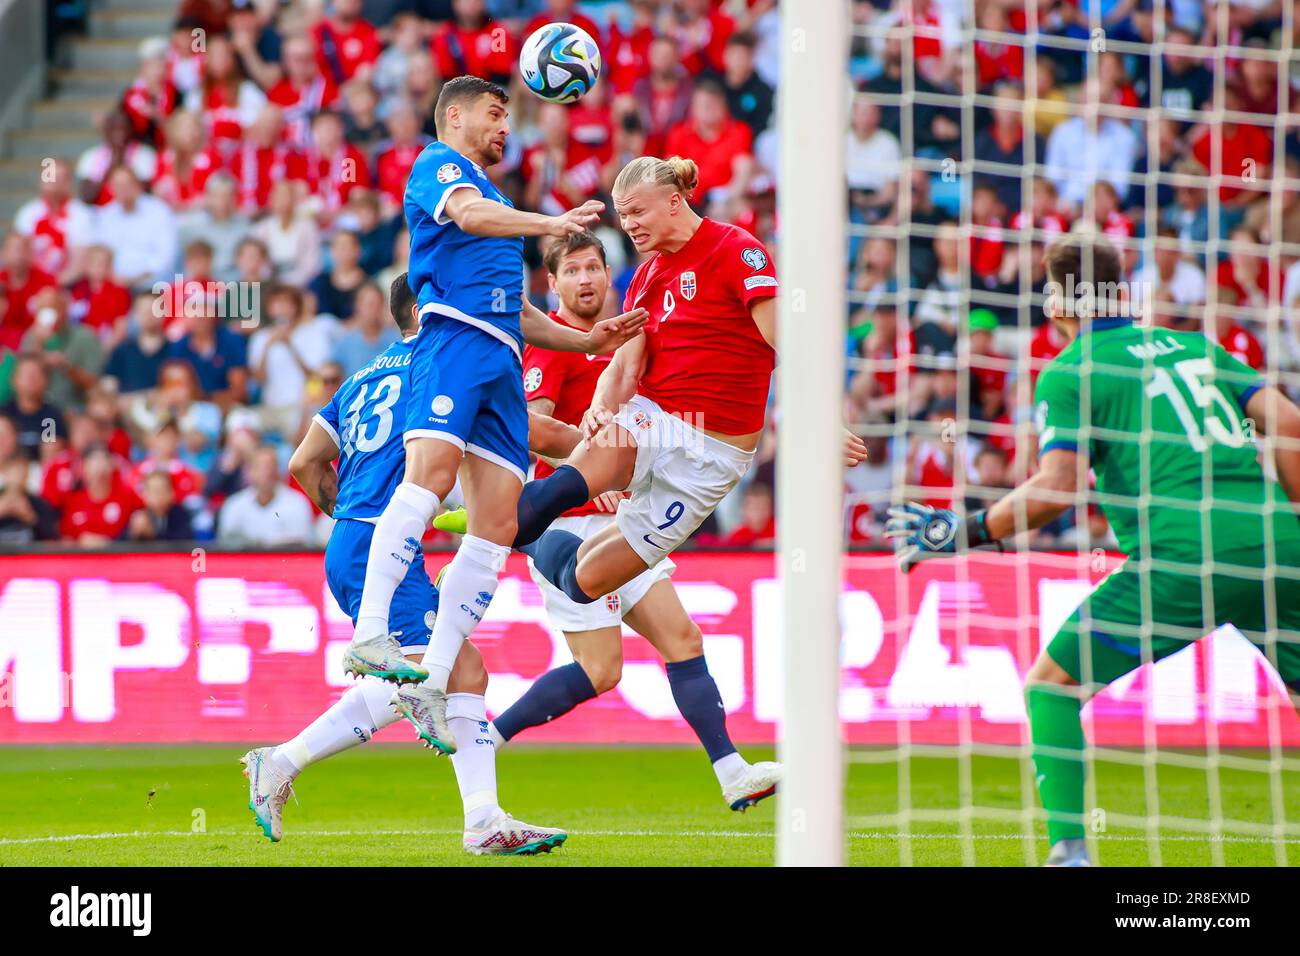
<point x="358" y="428"/>
<point x="561" y="384"/>
<point x="467" y="401"/>
<point x="1162" y="418"/>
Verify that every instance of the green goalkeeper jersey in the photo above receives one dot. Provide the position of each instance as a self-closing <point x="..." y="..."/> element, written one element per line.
<point x="1160" y="416"/>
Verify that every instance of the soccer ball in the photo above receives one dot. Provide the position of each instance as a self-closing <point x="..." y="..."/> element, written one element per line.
<point x="560" y="62"/>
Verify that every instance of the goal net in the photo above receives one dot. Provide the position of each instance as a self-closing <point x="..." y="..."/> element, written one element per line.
<point x="976" y="134"/>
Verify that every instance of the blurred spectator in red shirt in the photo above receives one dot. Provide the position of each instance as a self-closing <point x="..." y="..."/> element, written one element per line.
<point x="347" y="45"/>
<point x="151" y="98"/>
<point x="473" y="43"/>
<point x="1043" y="213"/>
<point x="1257" y="82"/>
<point x="397" y="155"/>
<point x="334" y="166"/>
<point x="1047" y="343"/>
<point x="553" y="181"/>
<point x="664" y="94"/>
<point x="98" y="511"/>
<point x="303" y="92"/>
<point x="757" y="526"/>
<point x="627" y="50"/>
<point x="562" y="11"/>
<point x="1236" y="339"/>
<point x="996" y="61"/>
<point x="263" y="159"/>
<point x="1244" y="150"/>
<point x="99" y="303"/>
<point x="989" y="368"/>
<point x="226" y="99"/>
<point x="60" y="226"/>
<point x="591" y="126"/>
<point x="23" y="280"/>
<point x="61" y="474"/>
<point x="1246" y="271"/>
<point x="163" y="446"/>
<point x="711" y="137"/>
<point x="186" y="163"/>
<point x="986" y="240"/>
<point x="700" y="30"/>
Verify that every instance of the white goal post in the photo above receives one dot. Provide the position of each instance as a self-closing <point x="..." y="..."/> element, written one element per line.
<point x="812" y="108"/>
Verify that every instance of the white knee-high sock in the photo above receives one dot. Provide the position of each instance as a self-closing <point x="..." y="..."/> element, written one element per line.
<point x="467" y="588"/>
<point x="475" y="759"/>
<point x="350" y="720"/>
<point x="394" y="545"/>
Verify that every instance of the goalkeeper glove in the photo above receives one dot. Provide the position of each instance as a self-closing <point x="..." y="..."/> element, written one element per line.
<point x="927" y="532"/>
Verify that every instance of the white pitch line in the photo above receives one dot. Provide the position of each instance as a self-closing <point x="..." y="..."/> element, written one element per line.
<point x="654" y="834"/>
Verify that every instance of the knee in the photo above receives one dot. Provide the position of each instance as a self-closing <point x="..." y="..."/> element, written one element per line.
<point x="603" y="670"/>
<point x="683" y="643"/>
<point x="469" y="675"/>
<point x="588" y="578"/>
<point x="499" y="529"/>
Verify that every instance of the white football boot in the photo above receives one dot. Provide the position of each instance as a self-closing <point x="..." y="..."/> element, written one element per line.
<point x="758" y="783"/>
<point x="425" y="708"/>
<point x="1069" y="853"/>
<point x="384" y="658"/>
<point x="506" y="836"/>
<point x="269" y="789"/>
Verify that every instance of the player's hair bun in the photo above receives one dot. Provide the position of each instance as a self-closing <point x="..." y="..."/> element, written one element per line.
<point x="685" y="172"/>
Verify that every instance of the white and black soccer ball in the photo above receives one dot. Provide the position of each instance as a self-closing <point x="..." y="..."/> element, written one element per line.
<point x="560" y="62"/>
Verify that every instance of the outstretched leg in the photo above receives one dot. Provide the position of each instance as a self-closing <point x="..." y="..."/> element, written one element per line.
<point x="1054" y="699"/>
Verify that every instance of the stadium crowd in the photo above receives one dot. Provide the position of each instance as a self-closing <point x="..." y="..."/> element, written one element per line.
<point x="177" y="301"/>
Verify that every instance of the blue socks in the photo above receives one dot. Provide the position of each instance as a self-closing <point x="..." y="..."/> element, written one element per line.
<point x="698" y="699"/>
<point x="553" y="694"/>
<point x="555" y="555"/>
<point x="542" y="501"/>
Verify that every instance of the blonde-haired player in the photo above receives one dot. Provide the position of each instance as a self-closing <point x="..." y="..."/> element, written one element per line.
<point x="677" y="414"/>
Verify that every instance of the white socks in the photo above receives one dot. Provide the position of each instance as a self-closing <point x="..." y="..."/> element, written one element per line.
<point x="475" y="759"/>
<point x="394" y="545"/>
<point x="467" y="588"/>
<point x="730" y="768"/>
<point x="350" y="720"/>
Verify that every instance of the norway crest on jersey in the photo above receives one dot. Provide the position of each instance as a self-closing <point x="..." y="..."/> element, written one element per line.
<point x="688" y="286"/>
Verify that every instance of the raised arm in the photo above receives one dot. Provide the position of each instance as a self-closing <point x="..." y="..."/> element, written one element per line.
<point x="1040" y="499"/>
<point x="478" y="216"/>
<point x="312" y="467"/>
<point x="936" y="532"/>
<point x="605" y="336"/>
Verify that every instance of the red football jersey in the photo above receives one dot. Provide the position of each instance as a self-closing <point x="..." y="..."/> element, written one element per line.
<point x="705" y="358"/>
<point x="82" y="514"/>
<point x="569" y="380"/>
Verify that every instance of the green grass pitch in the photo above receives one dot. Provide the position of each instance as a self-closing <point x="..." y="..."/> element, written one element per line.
<point x="71" y="806"/>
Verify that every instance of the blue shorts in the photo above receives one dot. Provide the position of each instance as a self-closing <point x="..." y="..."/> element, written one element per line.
<point x="415" y="602"/>
<point x="467" y="388"/>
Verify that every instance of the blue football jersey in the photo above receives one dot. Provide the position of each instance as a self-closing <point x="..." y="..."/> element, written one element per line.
<point x="476" y="279"/>
<point x="366" y="417"/>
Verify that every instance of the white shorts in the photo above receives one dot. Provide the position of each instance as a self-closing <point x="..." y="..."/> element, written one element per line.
<point x="681" y="475"/>
<point x="570" y="616"/>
